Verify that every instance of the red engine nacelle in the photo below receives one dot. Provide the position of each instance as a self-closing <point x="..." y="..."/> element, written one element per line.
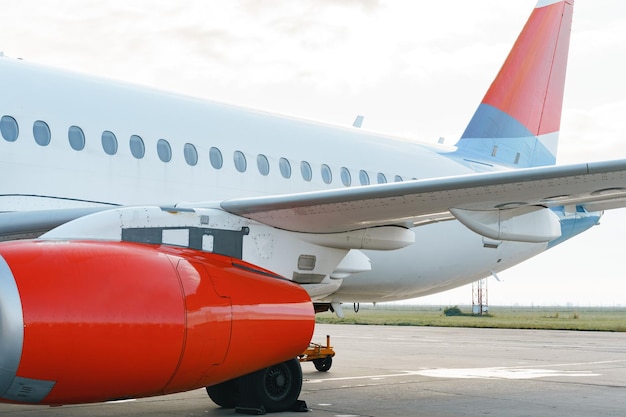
<point x="95" y="321"/>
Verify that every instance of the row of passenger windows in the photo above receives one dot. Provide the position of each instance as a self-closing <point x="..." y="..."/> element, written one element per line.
<point x="9" y="129"/>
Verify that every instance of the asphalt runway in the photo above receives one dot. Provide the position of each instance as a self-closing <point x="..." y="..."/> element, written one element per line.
<point x="421" y="371"/>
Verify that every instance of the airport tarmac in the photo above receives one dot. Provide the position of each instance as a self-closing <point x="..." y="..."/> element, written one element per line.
<point x="429" y="371"/>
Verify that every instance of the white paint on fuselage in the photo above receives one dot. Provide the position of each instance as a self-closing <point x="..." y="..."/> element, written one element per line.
<point x="444" y="256"/>
<point x="61" y="100"/>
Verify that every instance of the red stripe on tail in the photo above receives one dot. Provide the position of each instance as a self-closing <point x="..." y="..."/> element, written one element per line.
<point x="530" y="85"/>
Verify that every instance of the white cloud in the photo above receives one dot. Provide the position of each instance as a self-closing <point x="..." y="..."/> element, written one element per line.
<point x="593" y="134"/>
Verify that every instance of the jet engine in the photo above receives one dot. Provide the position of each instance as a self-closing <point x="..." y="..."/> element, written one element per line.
<point x="90" y="321"/>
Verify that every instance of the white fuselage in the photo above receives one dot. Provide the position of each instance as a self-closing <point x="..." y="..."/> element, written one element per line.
<point x="55" y="175"/>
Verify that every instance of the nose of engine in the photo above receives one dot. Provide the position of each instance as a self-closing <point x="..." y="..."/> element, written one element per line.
<point x="11" y="332"/>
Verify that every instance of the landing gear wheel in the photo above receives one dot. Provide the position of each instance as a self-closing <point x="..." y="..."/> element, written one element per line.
<point x="275" y="388"/>
<point x="225" y="394"/>
<point x="323" y="364"/>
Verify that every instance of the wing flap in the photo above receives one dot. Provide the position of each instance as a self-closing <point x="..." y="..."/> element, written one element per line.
<point x="524" y="224"/>
<point x="408" y="203"/>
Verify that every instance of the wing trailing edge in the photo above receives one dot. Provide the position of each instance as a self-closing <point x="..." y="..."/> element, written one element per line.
<point x="596" y="185"/>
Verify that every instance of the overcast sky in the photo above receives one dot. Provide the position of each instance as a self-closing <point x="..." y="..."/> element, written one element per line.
<point x="413" y="68"/>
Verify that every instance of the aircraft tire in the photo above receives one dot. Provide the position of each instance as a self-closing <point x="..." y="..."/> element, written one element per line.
<point x="275" y="388"/>
<point x="226" y="394"/>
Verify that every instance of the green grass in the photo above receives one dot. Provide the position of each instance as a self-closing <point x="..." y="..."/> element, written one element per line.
<point x="611" y="319"/>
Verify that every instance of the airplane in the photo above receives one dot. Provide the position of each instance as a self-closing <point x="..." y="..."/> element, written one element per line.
<point x="155" y="243"/>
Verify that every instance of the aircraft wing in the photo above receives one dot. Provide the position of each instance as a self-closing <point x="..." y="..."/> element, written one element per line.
<point x="596" y="186"/>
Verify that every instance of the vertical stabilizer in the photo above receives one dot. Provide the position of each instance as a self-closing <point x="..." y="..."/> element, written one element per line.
<point x="517" y="123"/>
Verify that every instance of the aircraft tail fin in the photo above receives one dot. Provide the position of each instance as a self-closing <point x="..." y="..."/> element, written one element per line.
<point x="518" y="121"/>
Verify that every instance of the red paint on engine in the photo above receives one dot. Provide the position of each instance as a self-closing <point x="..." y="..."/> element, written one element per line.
<point x="109" y="320"/>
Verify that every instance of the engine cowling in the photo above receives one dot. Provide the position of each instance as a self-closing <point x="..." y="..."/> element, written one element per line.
<point x="88" y="321"/>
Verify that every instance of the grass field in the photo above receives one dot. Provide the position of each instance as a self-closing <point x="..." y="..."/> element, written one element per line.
<point x="612" y="319"/>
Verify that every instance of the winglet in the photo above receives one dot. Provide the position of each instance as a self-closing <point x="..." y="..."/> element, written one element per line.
<point x="518" y="120"/>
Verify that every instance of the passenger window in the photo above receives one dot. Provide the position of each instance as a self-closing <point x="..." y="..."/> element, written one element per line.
<point x="76" y="137"/>
<point x="398" y="178"/>
<point x="263" y="164"/>
<point x="9" y="128"/>
<point x="109" y="143"/>
<point x="240" y="161"/>
<point x="41" y="132"/>
<point x="191" y="154"/>
<point x="364" y="178"/>
<point x="305" y="169"/>
<point x="346" y="178"/>
<point x="381" y="178"/>
<point x="215" y="156"/>
<point x="137" y="148"/>
<point x="327" y="175"/>
<point x="164" y="150"/>
<point x="285" y="167"/>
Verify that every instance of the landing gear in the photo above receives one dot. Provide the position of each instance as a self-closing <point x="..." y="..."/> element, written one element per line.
<point x="272" y="389"/>
<point x="225" y="394"/>
<point x="275" y="388"/>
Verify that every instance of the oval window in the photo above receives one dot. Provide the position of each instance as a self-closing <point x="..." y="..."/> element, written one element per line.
<point x="76" y="137"/>
<point x="327" y="175"/>
<point x="240" y="161"/>
<point x="263" y="164"/>
<point x="164" y="150"/>
<point x="364" y="178"/>
<point x="191" y="154"/>
<point x="381" y="178"/>
<point x="109" y="143"/>
<point x="137" y="148"/>
<point x="305" y="169"/>
<point x="285" y="167"/>
<point x="215" y="156"/>
<point x="9" y="128"/>
<point x="346" y="178"/>
<point x="41" y="132"/>
<point x="398" y="178"/>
